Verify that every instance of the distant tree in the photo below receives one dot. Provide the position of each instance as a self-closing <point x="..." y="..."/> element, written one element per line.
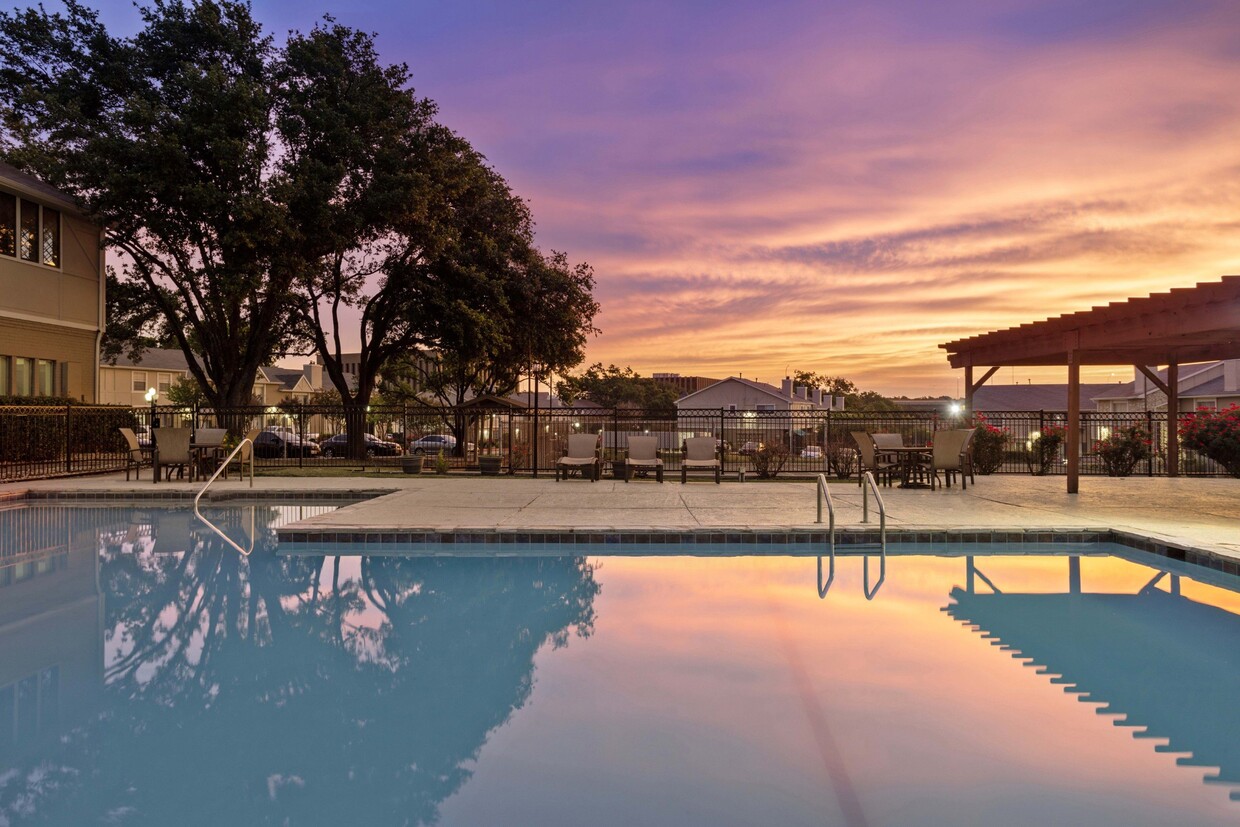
<point x="854" y="399"/>
<point x="186" y="392"/>
<point x="614" y="387"/>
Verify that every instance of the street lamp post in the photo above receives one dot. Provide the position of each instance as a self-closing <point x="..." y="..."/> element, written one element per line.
<point x="151" y="396"/>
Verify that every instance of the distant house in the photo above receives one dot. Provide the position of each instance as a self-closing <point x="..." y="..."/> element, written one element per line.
<point x="684" y="385"/>
<point x="126" y="381"/>
<point x="737" y="394"/>
<point x="1205" y="385"/>
<point x="51" y="292"/>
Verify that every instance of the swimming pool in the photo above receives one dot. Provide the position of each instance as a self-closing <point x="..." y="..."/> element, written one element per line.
<point x="149" y="674"/>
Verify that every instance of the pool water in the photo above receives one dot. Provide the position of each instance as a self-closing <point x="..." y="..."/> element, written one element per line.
<point x="151" y="675"/>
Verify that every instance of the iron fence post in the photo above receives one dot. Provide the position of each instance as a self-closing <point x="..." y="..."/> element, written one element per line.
<point x="1149" y="429"/>
<point x="723" y="455"/>
<point x="68" y="440"/>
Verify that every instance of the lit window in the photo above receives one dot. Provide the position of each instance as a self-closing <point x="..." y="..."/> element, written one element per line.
<point x="23" y="377"/>
<point x="139" y="382"/>
<point x="8" y="224"/>
<point x="51" y="237"/>
<point x="45" y="372"/>
<point x="28" y="239"/>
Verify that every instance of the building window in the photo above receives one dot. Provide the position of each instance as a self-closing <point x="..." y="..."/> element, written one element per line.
<point x="5" y="388"/>
<point x="165" y="382"/>
<point x="1208" y="404"/>
<point x="51" y="237"/>
<point x="139" y="382"/>
<point x="23" y="377"/>
<point x="765" y="407"/>
<point x="8" y="224"/>
<point x="28" y="239"/>
<point x="45" y="373"/>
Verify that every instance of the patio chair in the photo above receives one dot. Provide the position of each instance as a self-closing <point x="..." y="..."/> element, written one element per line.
<point x="643" y="454"/>
<point x="172" y="451"/>
<point x="134" y="459"/>
<point x="968" y="457"/>
<point x="244" y="456"/>
<point x="949" y="456"/>
<point x="868" y="460"/>
<point x="701" y="453"/>
<point x="582" y="454"/>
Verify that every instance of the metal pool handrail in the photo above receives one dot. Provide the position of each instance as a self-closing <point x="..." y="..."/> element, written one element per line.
<point x="870" y="485"/>
<point x="218" y="471"/>
<point x="824" y="493"/>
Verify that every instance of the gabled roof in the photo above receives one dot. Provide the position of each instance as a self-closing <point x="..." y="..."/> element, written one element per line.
<point x="1140" y="387"/>
<point x="286" y="378"/>
<point x="1048" y="397"/>
<point x="155" y="358"/>
<point x="35" y="186"/>
<point x="770" y="390"/>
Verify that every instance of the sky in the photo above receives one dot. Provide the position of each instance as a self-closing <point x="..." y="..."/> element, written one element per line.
<point x="764" y="187"/>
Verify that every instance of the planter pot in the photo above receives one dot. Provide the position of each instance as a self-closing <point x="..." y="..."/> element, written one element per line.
<point x="490" y="465"/>
<point x="411" y="464"/>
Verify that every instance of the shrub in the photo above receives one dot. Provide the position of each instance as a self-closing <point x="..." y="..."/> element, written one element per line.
<point x="769" y="460"/>
<point x="1123" y="449"/>
<point x="1216" y="434"/>
<point x="1045" y="449"/>
<point x="989" y="442"/>
<point x="520" y="455"/>
<point x="842" y="458"/>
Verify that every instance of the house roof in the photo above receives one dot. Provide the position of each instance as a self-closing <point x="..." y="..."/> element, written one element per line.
<point x="1139" y="387"/>
<point x="153" y="359"/>
<point x="770" y="390"/>
<point x="1047" y="397"/>
<point x="286" y="377"/>
<point x="36" y="186"/>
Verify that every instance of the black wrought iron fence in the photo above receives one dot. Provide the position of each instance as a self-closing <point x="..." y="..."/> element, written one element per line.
<point x="44" y="441"/>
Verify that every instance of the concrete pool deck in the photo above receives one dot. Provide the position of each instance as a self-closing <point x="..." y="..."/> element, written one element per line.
<point x="1195" y="513"/>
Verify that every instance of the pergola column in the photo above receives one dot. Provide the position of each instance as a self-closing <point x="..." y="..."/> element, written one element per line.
<point x="1173" y="420"/>
<point x="1072" y="450"/>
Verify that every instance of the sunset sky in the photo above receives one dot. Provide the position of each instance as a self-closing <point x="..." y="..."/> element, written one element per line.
<point x="840" y="187"/>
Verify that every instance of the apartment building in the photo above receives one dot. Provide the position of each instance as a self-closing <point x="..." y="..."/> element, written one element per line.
<point x="51" y="292"/>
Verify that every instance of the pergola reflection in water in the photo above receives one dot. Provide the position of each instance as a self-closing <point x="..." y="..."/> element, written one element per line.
<point x="1129" y="653"/>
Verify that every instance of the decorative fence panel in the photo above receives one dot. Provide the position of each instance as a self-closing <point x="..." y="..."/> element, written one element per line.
<point x="48" y="441"/>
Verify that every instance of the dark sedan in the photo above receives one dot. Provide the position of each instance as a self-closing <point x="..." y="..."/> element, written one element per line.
<point x="272" y="445"/>
<point x="338" y="446"/>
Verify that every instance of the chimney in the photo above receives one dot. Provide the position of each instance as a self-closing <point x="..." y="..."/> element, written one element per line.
<point x="818" y="397"/>
<point x="786" y="386"/>
<point x="838" y="403"/>
<point x="804" y="389"/>
<point x="313" y="371"/>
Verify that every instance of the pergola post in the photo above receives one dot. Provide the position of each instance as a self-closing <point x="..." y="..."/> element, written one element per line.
<point x="1072" y="448"/>
<point x="968" y="392"/>
<point x="1173" y="420"/>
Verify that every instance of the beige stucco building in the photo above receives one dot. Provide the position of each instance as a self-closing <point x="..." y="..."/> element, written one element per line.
<point x="51" y="292"/>
<point x="126" y="382"/>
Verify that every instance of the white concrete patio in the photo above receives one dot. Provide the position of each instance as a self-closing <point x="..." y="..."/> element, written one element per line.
<point x="1202" y="513"/>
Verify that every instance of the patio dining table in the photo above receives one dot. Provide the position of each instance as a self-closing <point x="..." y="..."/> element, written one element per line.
<point x="914" y="462"/>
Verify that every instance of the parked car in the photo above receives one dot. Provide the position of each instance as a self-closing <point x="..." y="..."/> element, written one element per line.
<point x="144" y="436"/>
<point x="269" y="445"/>
<point x="750" y="448"/>
<point x="811" y="452"/>
<point x="433" y="444"/>
<point x="338" y="445"/>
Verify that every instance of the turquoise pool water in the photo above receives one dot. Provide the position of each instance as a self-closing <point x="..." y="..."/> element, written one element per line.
<point x="151" y="675"/>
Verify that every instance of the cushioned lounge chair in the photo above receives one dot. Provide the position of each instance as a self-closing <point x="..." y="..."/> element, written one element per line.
<point x="867" y="456"/>
<point x="582" y="454"/>
<point x="643" y="454"/>
<point x="172" y="451"/>
<point x="701" y="453"/>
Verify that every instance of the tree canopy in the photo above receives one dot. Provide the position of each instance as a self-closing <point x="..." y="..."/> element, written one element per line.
<point x="614" y="387"/>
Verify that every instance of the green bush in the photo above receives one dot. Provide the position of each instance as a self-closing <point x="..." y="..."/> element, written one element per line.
<point x="33" y="429"/>
<point x="769" y="460"/>
<point x="989" y="443"/>
<point x="1216" y="434"/>
<point x="1123" y="449"/>
<point x="1045" y="451"/>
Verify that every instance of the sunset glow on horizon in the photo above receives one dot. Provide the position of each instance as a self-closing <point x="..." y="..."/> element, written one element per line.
<point x="842" y="187"/>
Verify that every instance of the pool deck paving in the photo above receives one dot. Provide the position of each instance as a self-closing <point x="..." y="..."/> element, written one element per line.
<point x="1194" y="513"/>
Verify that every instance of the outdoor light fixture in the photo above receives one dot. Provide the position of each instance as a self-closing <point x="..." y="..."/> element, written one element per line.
<point x="955" y="409"/>
<point x="151" y="394"/>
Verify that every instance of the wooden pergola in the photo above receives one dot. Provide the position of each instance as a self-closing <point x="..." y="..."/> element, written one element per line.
<point x="1181" y="326"/>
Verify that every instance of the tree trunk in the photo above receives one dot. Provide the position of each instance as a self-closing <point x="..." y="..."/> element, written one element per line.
<point x="459" y="431"/>
<point x="355" y="425"/>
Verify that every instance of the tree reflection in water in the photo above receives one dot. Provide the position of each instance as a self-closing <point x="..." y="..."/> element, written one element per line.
<point x="283" y="689"/>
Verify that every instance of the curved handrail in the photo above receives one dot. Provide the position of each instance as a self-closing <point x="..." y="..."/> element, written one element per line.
<point x="218" y="471"/>
<point x="824" y="493"/>
<point x="870" y="485"/>
<point x="882" y="574"/>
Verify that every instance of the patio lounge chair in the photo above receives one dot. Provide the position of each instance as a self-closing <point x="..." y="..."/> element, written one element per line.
<point x="868" y="459"/>
<point x="133" y="457"/>
<point x="950" y="455"/>
<point x="643" y="454"/>
<point x="582" y="454"/>
<point x="701" y="453"/>
<point x="172" y="451"/>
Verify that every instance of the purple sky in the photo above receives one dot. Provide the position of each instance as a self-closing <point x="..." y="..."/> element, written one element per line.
<point x="840" y="187"/>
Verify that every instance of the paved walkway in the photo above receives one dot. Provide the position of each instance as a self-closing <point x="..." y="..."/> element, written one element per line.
<point x="1198" y="513"/>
